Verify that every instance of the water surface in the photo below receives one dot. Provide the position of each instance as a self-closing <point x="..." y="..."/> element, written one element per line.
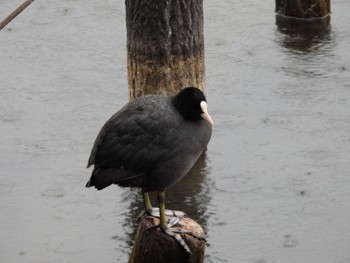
<point x="274" y="185"/>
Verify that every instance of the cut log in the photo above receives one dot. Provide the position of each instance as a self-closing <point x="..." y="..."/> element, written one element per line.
<point x="152" y="245"/>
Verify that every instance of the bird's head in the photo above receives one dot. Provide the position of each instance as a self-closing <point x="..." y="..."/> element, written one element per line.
<point x="192" y="104"/>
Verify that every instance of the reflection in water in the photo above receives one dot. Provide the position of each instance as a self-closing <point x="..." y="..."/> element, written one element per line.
<point x="304" y="35"/>
<point x="307" y="43"/>
<point x="191" y="195"/>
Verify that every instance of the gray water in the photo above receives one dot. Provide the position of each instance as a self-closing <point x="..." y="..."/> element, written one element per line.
<point x="274" y="185"/>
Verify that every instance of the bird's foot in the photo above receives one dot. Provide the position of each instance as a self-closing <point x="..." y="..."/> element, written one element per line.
<point x="155" y="212"/>
<point x="176" y="232"/>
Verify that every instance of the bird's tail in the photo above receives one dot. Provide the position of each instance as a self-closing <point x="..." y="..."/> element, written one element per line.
<point x="101" y="178"/>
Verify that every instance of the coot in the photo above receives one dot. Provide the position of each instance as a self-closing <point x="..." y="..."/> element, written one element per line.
<point x="151" y="143"/>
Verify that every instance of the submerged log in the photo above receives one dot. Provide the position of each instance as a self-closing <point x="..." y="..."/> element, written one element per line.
<point x="165" y="46"/>
<point x="303" y="8"/>
<point x="154" y="246"/>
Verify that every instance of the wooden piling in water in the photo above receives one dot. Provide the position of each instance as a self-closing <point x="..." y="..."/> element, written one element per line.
<point x="165" y="46"/>
<point x="303" y="8"/>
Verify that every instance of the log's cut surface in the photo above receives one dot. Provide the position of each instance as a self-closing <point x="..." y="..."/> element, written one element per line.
<point x="153" y="245"/>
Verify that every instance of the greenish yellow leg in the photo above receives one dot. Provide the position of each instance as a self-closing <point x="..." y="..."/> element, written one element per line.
<point x="161" y="199"/>
<point x="147" y="202"/>
<point x="168" y="228"/>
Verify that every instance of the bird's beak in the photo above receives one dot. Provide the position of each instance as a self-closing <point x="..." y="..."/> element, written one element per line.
<point x="205" y="115"/>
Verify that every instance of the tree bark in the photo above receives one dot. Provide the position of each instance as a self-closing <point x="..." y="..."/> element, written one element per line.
<point x="154" y="246"/>
<point x="165" y="46"/>
<point x="303" y="8"/>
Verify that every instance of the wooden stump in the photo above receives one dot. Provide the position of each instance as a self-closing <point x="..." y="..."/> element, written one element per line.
<point x="165" y="46"/>
<point x="303" y="8"/>
<point x="306" y="19"/>
<point x="154" y="246"/>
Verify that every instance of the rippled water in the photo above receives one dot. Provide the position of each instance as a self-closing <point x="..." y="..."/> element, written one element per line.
<point x="274" y="185"/>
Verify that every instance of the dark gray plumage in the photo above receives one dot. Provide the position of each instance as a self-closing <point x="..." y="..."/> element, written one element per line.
<point x="152" y="142"/>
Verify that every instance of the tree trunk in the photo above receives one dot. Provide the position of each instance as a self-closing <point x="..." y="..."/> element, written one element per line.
<point x="303" y="8"/>
<point x="165" y="46"/>
<point x="154" y="246"/>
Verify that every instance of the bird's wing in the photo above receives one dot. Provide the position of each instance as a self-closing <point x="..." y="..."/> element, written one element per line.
<point x="135" y="139"/>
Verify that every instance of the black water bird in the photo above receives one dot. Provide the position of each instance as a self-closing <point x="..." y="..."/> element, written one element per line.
<point x="151" y="143"/>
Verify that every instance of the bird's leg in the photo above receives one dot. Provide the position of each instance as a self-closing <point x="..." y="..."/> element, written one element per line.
<point x="148" y="206"/>
<point x="147" y="202"/>
<point x="154" y="211"/>
<point x="161" y="203"/>
<point x="167" y="227"/>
